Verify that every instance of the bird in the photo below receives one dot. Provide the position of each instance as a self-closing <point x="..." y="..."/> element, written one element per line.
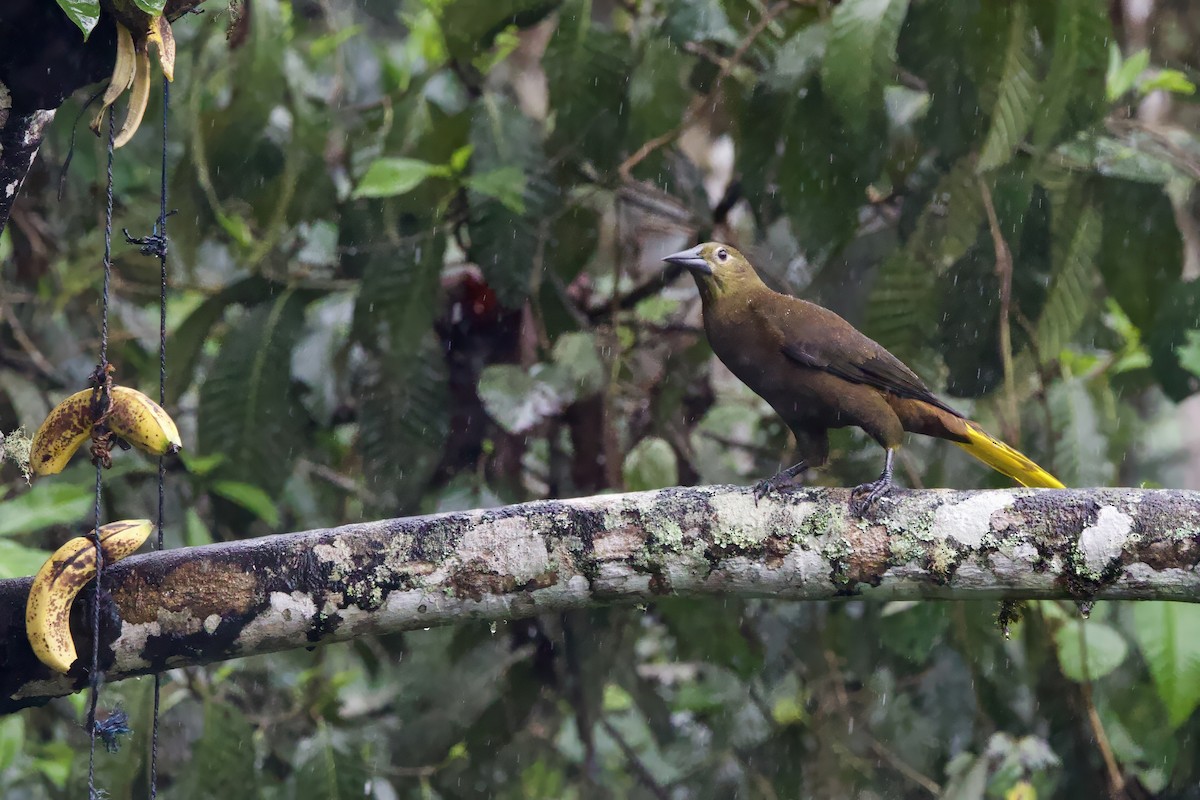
<point x="818" y="372"/>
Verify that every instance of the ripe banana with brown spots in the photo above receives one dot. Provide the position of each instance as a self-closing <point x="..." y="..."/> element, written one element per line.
<point x="134" y="417"/>
<point x="48" y="609"/>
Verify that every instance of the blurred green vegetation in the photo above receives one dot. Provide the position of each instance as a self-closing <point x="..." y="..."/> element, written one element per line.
<point x="414" y="268"/>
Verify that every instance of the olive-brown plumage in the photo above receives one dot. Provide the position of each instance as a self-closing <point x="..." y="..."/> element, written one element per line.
<point x="818" y="372"/>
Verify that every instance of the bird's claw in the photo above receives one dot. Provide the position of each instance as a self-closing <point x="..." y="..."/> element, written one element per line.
<point x="771" y="485"/>
<point x="873" y="492"/>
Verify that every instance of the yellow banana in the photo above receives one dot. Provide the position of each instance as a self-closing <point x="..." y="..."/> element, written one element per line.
<point x="142" y="422"/>
<point x="124" y="71"/>
<point x="122" y="75"/>
<point x="139" y="97"/>
<point x="162" y="37"/>
<point x="131" y="70"/>
<point x="135" y="418"/>
<point x="48" y="609"/>
<point x="67" y="426"/>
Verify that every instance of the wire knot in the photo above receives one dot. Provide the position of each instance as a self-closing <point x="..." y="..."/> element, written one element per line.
<point x="101" y="408"/>
<point x="156" y="243"/>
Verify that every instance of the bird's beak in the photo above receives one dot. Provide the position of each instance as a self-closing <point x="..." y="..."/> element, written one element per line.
<point x="690" y="259"/>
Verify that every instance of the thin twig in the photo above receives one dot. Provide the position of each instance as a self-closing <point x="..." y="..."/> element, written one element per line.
<point x="698" y="102"/>
<point x="639" y="769"/>
<point x="1116" y="781"/>
<point x="1004" y="271"/>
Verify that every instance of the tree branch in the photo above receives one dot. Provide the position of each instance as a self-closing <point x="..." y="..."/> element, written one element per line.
<point x="204" y="604"/>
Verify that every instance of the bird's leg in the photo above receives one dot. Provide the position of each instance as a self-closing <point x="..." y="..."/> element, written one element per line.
<point x="875" y="489"/>
<point x="778" y="480"/>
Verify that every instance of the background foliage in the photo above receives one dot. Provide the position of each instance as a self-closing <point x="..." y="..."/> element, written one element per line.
<point x="415" y="268"/>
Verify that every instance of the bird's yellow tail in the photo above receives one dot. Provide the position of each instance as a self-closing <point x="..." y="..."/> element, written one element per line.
<point x="1002" y="458"/>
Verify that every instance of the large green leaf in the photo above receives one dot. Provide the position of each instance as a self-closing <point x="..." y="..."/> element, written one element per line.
<point x="1168" y="634"/>
<point x="904" y="297"/>
<point x="860" y="56"/>
<point x="1172" y="325"/>
<point x="1141" y="251"/>
<point x="185" y="343"/>
<point x="404" y="416"/>
<point x="220" y="764"/>
<point x="44" y="505"/>
<point x="1089" y="650"/>
<point x="17" y="561"/>
<point x="1060" y="82"/>
<point x="84" y="13"/>
<point x="1017" y="98"/>
<point x="470" y="26"/>
<point x="504" y="242"/>
<point x="1080" y="457"/>
<point x="397" y="298"/>
<point x="247" y="408"/>
<point x="1072" y="280"/>
<point x="588" y="69"/>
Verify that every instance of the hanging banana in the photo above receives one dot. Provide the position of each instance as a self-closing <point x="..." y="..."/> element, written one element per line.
<point x="131" y="71"/>
<point x="134" y="418"/>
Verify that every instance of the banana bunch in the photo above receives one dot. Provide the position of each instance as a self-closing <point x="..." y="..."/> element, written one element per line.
<point x="135" y="419"/>
<point x="48" y="610"/>
<point x="131" y="71"/>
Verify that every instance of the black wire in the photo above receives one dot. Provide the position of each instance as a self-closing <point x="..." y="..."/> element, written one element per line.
<point x="101" y="372"/>
<point x="161" y="231"/>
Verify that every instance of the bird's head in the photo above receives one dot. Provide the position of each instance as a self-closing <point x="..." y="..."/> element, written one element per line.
<point x="718" y="269"/>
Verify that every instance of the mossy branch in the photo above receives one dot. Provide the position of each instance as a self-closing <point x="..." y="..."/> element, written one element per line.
<point x="203" y="604"/>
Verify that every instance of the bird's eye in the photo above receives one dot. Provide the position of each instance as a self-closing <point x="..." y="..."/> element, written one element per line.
<point x="722" y="254"/>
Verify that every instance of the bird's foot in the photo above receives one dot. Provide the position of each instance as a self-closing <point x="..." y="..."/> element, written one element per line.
<point x="776" y="483"/>
<point x="865" y="496"/>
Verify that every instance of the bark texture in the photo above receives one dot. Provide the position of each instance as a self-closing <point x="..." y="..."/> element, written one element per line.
<point x="203" y="604"/>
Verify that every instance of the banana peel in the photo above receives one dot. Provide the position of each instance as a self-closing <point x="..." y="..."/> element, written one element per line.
<point x="131" y="72"/>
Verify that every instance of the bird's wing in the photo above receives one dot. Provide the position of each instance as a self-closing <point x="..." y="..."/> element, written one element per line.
<point x="854" y="357"/>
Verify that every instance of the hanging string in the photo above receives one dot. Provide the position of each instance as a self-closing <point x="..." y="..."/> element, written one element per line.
<point x="156" y="245"/>
<point x="161" y="232"/>
<point x="101" y="398"/>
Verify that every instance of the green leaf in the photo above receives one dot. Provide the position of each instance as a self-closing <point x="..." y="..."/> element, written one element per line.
<point x="247" y="410"/>
<point x="84" y="13"/>
<point x="249" y="497"/>
<point x="1168" y="80"/>
<point x="1072" y="281"/>
<point x="506" y="184"/>
<point x="518" y="400"/>
<point x="1141" y="251"/>
<point x="1105" y="649"/>
<point x="1060" y="82"/>
<point x="186" y="342"/>
<point x="698" y="21"/>
<point x="45" y="505"/>
<point x="503" y="240"/>
<point x="578" y="357"/>
<point x="798" y="58"/>
<point x="1122" y="75"/>
<point x="1168" y="635"/>
<point x="1017" y="99"/>
<point x="152" y="7"/>
<point x="220" y="764"/>
<point x="860" y="56"/>
<point x="404" y="421"/>
<point x="651" y="464"/>
<point x="471" y="26"/>
<point x="18" y="561"/>
<point x="388" y="177"/>
<point x="588" y="71"/>
<point x="1189" y="352"/>
<point x="1080" y="457"/>
<point x="12" y="735"/>
<point x="397" y="299"/>
<point x="1171" y="327"/>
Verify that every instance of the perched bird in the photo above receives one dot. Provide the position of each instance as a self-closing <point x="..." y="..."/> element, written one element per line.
<point x="818" y="372"/>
